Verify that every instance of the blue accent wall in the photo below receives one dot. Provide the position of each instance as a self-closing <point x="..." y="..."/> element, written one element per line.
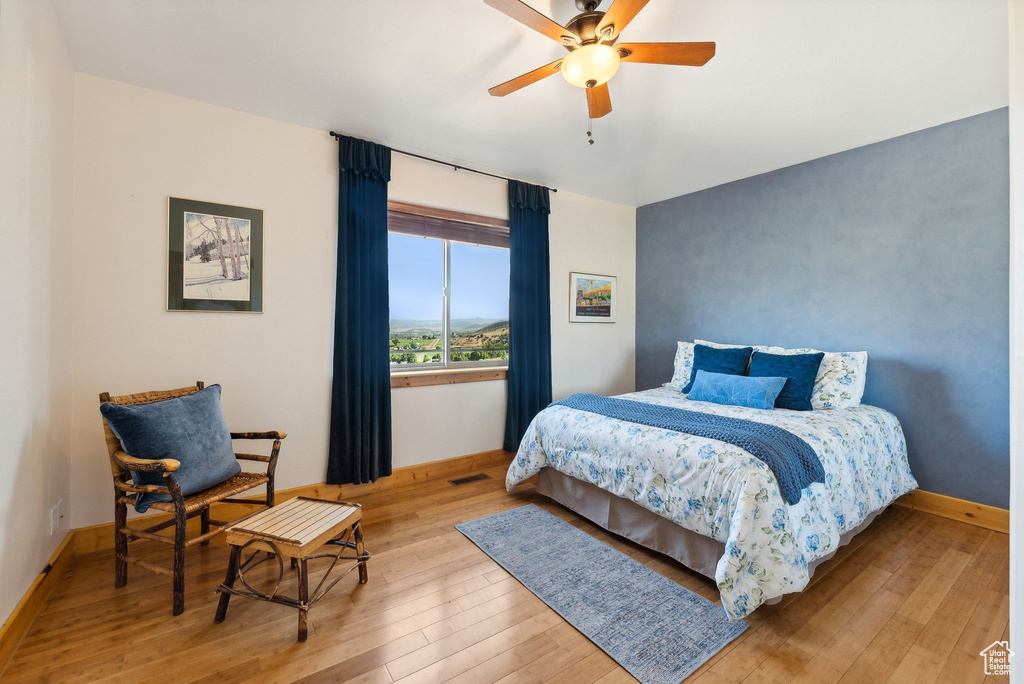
<point x="900" y="248"/>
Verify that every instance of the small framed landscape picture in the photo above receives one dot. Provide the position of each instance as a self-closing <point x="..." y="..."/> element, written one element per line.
<point x="592" y="298"/>
<point x="214" y="257"/>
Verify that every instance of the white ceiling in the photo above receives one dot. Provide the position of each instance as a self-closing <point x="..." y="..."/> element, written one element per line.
<point x="793" y="79"/>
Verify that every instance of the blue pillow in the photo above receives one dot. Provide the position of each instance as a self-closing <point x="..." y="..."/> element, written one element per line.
<point x="736" y="390"/>
<point x="800" y="371"/>
<point x="189" y="429"/>
<point x="731" y="361"/>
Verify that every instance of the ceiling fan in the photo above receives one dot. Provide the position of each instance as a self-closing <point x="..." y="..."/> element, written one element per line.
<point x="594" y="55"/>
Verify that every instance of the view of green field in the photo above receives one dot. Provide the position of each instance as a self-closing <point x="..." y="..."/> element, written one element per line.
<point x="415" y="341"/>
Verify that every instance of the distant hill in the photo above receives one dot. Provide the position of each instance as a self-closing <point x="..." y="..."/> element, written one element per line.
<point x="413" y="325"/>
<point x="474" y="324"/>
<point x="499" y="327"/>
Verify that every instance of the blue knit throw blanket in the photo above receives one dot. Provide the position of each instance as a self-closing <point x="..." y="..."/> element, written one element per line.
<point x="790" y="458"/>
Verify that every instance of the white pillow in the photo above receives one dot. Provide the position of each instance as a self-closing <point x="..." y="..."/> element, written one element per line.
<point x="719" y="345"/>
<point x="841" y="375"/>
<point x="683" y="366"/>
<point x="684" y="361"/>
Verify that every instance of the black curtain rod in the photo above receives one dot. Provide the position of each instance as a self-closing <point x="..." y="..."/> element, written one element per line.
<point x="454" y="166"/>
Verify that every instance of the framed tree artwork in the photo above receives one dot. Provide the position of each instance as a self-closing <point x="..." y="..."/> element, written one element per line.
<point x="592" y="298"/>
<point x="214" y="257"/>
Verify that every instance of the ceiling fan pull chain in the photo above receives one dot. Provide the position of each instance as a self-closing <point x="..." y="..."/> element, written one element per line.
<point x="590" y="130"/>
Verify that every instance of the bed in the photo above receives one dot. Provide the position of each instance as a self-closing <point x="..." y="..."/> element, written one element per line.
<point x="711" y="505"/>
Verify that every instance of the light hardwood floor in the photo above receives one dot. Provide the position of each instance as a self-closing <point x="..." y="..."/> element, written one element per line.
<point x="912" y="599"/>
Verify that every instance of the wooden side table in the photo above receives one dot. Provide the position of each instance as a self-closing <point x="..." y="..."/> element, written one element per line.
<point x="298" y="529"/>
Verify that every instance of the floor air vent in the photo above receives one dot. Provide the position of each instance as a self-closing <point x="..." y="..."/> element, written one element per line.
<point x="469" y="478"/>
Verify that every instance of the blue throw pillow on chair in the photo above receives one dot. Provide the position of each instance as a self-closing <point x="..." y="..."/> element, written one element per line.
<point x="736" y="390"/>
<point x="800" y="371"/>
<point x="730" y="361"/>
<point x="189" y="429"/>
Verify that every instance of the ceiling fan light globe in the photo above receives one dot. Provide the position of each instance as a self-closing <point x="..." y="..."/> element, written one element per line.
<point x="590" y="65"/>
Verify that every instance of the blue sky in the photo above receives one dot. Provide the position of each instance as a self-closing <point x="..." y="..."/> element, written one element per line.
<point x="415" y="271"/>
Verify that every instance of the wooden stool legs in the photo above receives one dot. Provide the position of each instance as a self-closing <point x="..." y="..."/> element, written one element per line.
<point x="229" y="581"/>
<point x="303" y="598"/>
<point x="303" y="529"/>
<point x="357" y="532"/>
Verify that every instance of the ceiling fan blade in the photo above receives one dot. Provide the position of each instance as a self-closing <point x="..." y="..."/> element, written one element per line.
<point x="525" y="14"/>
<point x="526" y="79"/>
<point x="682" y="54"/>
<point x="618" y="15"/>
<point x="599" y="102"/>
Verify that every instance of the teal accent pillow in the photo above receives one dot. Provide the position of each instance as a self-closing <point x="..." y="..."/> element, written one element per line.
<point x="736" y="390"/>
<point x="800" y="370"/>
<point x="731" y="361"/>
<point x="189" y="429"/>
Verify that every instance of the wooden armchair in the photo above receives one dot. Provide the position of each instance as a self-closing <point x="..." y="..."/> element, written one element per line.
<point x="182" y="507"/>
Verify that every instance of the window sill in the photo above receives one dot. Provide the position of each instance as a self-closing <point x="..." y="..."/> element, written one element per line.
<point x="446" y="377"/>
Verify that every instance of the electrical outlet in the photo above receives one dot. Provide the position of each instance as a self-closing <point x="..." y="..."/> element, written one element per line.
<point x="55" y="516"/>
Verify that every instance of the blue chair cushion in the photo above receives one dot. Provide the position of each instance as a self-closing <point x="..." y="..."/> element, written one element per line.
<point x="189" y="429"/>
<point x="800" y="371"/>
<point x="730" y="361"/>
<point x="736" y="390"/>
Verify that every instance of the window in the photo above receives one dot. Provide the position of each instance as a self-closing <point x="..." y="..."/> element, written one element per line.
<point x="416" y="289"/>
<point x="478" y="287"/>
<point x="448" y="282"/>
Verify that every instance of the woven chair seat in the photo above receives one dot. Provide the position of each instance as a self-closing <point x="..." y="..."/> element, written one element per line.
<point x="237" y="483"/>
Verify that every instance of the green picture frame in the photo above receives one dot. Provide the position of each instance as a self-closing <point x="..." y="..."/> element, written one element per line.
<point x="214" y="257"/>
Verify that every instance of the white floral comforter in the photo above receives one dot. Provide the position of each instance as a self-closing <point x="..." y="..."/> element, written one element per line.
<point x="721" y="491"/>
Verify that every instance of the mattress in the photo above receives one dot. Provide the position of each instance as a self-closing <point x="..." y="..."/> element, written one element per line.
<point x="719" y="491"/>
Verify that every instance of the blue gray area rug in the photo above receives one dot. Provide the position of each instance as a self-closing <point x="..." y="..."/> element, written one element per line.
<point x="659" y="631"/>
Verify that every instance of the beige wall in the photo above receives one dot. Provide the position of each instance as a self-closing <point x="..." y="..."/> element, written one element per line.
<point x="592" y="236"/>
<point x="1017" y="332"/>
<point x="134" y="147"/>
<point x="36" y="107"/>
